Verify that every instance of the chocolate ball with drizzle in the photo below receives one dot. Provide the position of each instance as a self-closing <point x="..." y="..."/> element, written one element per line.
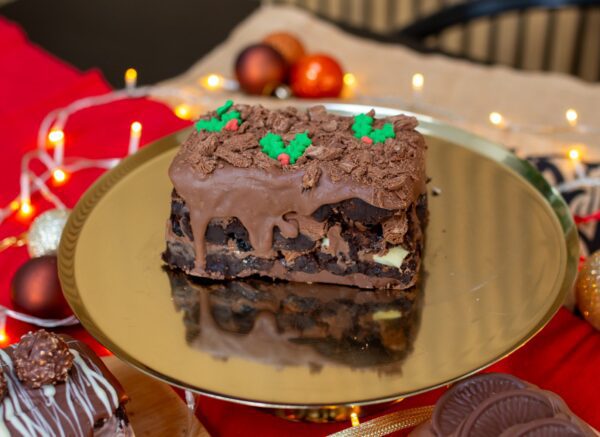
<point x="42" y="358"/>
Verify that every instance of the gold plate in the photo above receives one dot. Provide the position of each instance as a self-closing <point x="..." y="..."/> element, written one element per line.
<point x="501" y="255"/>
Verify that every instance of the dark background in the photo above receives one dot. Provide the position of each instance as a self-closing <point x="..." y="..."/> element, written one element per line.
<point x="160" y="38"/>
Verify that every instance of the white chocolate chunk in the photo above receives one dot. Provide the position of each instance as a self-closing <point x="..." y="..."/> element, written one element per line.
<point x="387" y="315"/>
<point x="325" y="243"/>
<point x="393" y="258"/>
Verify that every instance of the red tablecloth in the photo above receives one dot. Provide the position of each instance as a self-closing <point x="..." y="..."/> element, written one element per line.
<point x="564" y="357"/>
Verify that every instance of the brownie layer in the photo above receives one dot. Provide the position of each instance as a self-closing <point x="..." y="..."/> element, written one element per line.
<point x="335" y="244"/>
<point x="346" y="211"/>
<point x="286" y="323"/>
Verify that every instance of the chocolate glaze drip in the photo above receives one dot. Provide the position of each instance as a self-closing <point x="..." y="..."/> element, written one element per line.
<point x="225" y="174"/>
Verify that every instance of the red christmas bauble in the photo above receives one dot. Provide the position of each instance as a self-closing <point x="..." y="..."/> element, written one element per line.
<point x="35" y="289"/>
<point x="316" y="76"/>
<point x="287" y="44"/>
<point x="260" y="69"/>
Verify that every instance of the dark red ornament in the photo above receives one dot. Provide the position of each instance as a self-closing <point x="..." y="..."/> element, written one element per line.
<point x="315" y="76"/>
<point x="260" y="69"/>
<point x="35" y="289"/>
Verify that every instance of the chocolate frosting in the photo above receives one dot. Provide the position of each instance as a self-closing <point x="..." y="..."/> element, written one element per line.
<point x="86" y="401"/>
<point x="225" y="174"/>
<point x="41" y="358"/>
<point x="497" y="404"/>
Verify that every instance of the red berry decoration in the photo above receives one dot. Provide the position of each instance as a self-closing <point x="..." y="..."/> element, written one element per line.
<point x="367" y="140"/>
<point x="232" y="125"/>
<point x="284" y="159"/>
<point x="315" y="76"/>
<point x="260" y="69"/>
<point x="35" y="289"/>
<point x="287" y="44"/>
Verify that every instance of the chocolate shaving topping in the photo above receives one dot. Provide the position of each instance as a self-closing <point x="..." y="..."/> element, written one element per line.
<point x="394" y="165"/>
<point x="395" y="183"/>
<point x="394" y="229"/>
<point x="209" y="146"/>
<point x="206" y="165"/>
<point x="42" y="358"/>
<point x="311" y="176"/>
<point x="235" y="159"/>
<point x="241" y="142"/>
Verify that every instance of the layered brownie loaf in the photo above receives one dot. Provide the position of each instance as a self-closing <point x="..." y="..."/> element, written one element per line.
<point x="300" y="195"/>
<point x="57" y="386"/>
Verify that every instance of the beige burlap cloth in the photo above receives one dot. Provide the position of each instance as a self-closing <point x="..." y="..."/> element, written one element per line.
<point x="460" y="92"/>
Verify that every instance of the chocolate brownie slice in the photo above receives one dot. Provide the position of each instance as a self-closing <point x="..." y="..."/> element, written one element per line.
<point x="301" y="195"/>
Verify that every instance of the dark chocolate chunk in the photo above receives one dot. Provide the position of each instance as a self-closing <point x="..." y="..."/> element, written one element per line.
<point x="300" y="243"/>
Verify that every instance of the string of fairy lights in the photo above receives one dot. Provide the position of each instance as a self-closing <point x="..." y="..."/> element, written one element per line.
<point x="52" y="143"/>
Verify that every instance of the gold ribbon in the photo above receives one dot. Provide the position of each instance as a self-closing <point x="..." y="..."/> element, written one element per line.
<point x="389" y="423"/>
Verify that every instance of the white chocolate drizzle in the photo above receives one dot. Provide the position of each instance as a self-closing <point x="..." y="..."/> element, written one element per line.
<point x="67" y="409"/>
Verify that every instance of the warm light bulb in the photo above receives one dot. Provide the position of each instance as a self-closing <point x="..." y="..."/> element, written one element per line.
<point x="26" y="209"/>
<point x="131" y="77"/>
<point x="354" y="419"/>
<point x="574" y="154"/>
<point x="571" y="116"/>
<point x="496" y="118"/>
<point x="59" y="175"/>
<point x="14" y="205"/>
<point x="56" y="136"/>
<point x="3" y="336"/>
<point x="349" y="79"/>
<point x="213" y="81"/>
<point x="418" y="81"/>
<point x="136" y="128"/>
<point x="183" y="111"/>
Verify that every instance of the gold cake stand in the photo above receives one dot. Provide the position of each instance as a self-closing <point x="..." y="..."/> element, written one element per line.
<point x="501" y="256"/>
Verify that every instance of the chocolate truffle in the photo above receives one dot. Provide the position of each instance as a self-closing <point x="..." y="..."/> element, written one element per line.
<point x="90" y="402"/>
<point x="42" y="358"/>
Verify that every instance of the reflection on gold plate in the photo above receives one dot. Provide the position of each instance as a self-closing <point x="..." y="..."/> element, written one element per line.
<point x="501" y="255"/>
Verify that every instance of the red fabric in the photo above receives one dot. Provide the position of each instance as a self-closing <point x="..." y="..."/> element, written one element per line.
<point x="564" y="357"/>
<point x="33" y="83"/>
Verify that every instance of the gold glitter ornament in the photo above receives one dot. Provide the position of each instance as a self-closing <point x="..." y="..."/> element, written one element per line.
<point x="587" y="290"/>
<point x="44" y="234"/>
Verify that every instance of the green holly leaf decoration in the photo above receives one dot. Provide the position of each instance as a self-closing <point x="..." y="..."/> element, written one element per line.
<point x="273" y="146"/>
<point x="223" y="109"/>
<point x="297" y="146"/>
<point x="363" y="127"/>
<point x="224" y="115"/>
